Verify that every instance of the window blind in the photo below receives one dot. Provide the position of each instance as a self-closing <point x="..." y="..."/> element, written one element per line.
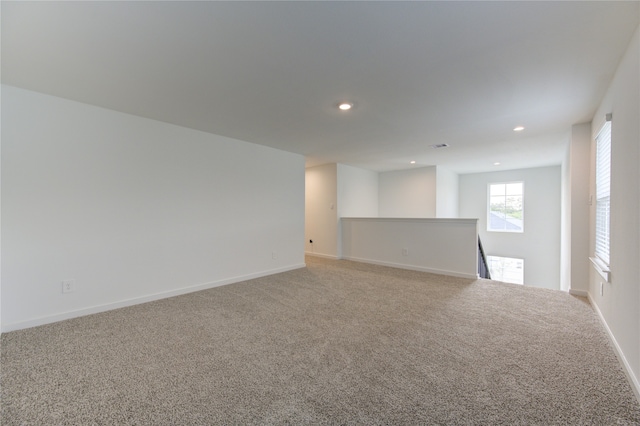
<point x="603" y="191"/>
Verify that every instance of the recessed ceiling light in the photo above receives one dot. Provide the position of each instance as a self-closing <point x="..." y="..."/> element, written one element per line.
<point x="518" y="128"/>
<point x="496" y="163"/>
<point x="345" y="106"/>
<point x="412" y="162"/>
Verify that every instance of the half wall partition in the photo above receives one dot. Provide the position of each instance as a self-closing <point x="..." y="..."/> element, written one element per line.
<point x="441" y="246"/>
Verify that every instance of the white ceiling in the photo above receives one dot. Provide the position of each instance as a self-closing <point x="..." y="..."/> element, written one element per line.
<point x="272" y="73"/>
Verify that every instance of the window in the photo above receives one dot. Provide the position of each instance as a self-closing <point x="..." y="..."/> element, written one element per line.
<point x="603" y="178"/>
<point x="506" y="202"/>
<point x="506" y="269"/>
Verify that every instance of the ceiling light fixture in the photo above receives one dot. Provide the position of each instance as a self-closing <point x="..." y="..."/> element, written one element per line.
<point x="496" y="163"/>
<point x="345" y="106"/>
<point x="518" y="128"/>
<point x="412" y="162"/>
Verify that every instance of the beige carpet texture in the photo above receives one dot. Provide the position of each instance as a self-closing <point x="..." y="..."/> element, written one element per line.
<point x="335" y="343"/>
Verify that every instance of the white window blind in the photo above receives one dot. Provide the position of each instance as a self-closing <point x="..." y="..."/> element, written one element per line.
<point x="603" y="186"/>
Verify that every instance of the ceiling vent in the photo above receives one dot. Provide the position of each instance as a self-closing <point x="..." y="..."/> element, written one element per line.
<point x="440" y="145"/>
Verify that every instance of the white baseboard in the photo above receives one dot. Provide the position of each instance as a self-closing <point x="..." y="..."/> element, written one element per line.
<point x="143" y="299"/>
<point x="325" y="256"/>
<point x="633" y="380"/>
<point x="414" y="268"/>
<point x="581" y="293"/>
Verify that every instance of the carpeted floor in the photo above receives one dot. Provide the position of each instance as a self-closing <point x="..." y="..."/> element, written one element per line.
<point x="337" y="342"/>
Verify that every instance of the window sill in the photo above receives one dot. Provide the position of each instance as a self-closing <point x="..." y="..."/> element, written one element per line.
<point x="601" y="268"/>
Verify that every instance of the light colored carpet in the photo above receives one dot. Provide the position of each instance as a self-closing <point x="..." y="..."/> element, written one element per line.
<point x="335" y="343"/>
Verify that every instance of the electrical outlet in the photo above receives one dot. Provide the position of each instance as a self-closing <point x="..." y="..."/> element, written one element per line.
<point x="405" y="252"/>
<point x="68" y="286"/>
<point x="274" y="255"/>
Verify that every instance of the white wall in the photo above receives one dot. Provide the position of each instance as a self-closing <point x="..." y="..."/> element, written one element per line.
<point x="447" y="183"/>
<point x="408" y="193"/>
<point x="1" y="90"/>
<point x="442" y="246"/>
<point x="332" y="191"/>
<point x="133" y="209"/>
<point x="565" y="221"/>
<point x="576" y="224"/>
<point x="620" y="303"/>
<point x="539" y="244"/>
<point x="357" y="192"/>
<point x="321" y="215"/>
<point x="357" y="195"/>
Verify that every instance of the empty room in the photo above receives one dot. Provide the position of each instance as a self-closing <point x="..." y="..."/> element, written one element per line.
<point x="320" y="212"/>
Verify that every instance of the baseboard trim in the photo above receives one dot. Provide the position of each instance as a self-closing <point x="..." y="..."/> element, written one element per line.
<point x="633" y="380"/>
<point x="324" y="256"/>
<point x="143" y="299"/>
<point x="581" y="293"/>
<point x="414" y="268"/>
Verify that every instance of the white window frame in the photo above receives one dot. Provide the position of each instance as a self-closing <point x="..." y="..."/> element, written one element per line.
<point x="489" y="229"/>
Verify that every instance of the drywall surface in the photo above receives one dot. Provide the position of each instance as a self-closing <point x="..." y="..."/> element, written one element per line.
<point x="565" y="221"/>
<point x="1" y="89"/>
<point x="321" y="210"/>
<point x="579" y="172"/>
<point x="131" y="209"/>
<point x="619" y="304"/>
<point x="357" y="195"/>
<point x="408" y="193"/>
<point x="357" y="192"/>
<point x="443" y="246"/>
<point x="539" y="244"/>
<point x="447" y="184"/>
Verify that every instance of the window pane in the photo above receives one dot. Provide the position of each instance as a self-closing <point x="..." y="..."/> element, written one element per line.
<point x="514" y="188"/>
<point x="497" y="203"/>
<point x="497" y="190"/>
<point x="505" y="212"/>
<point x="603" y="175"/>
<point x="602" y="229"/>
<point x="514" y="207"/>
<point x="506" y="269"/>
